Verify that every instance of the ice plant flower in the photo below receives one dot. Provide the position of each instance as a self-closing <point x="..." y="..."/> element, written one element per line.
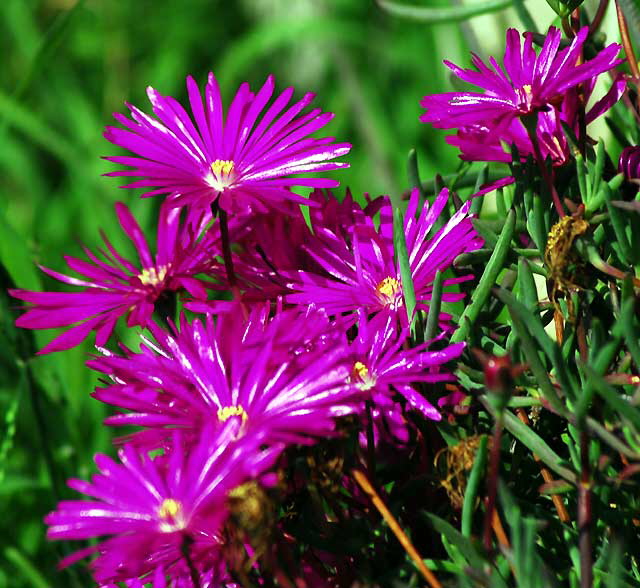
<point x="529" y="82"/>
<point x="361" y="271"/>
<point x="383" y="368"/>
<point x="282" y="379"/>
<point x="486" y="141"/>
<point x="114" y="286"/>
<point x="155" y="509"/>
<point x="244" y="158"/>
<point x="532" y="91"/>
<point x="275" y="245"/>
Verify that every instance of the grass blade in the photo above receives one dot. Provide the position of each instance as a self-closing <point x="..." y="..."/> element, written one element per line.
<point x="525" y="16"/>
<point x="26" y="568"/>
<point x="51" y="41"/>
<point x="435" y="15"/>
<point x="527" y="285"/>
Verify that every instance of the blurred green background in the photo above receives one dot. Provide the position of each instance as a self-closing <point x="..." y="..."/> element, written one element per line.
<point x="67" y="65"/>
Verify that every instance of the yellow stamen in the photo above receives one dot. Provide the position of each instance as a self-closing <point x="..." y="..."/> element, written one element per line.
<point x="151" y="276"/>
<point x="223" y="174"/>
<point x="360" y="370"/>
<point x="222" y="166"/>
<point x="170" y="511"/>
<point x="361" y="376"/>
<point x="527" y="89"/>
<point x="169" y="508"/>
<point x="388" y="290"/>
<point x="226" y="412"/>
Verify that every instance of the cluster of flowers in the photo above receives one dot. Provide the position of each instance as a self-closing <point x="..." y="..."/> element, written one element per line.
<point x="318" y="326"/>
<point x="527" y="102"/>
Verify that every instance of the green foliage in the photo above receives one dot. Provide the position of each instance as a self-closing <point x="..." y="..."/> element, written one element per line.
<point x="433" y="15"/>
<point x="571" y="331"/>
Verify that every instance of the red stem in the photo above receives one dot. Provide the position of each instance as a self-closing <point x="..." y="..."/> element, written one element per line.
<point x="628" y="47"/>
<point x="584" y="515"/>
<point x="597" y="19"/>
<point x="492" y="481"/>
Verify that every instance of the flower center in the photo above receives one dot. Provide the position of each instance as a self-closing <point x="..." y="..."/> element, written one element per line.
<point x="151" y="276"/>
<point x="362" y="377"/>
<point x="388" y="290"/>
<point x="226" y="412"/>
<point x="222" y="174"/>
<point x="171" y="515"/>
<point x="525" y="97"/>
<point x="360" y="370"/>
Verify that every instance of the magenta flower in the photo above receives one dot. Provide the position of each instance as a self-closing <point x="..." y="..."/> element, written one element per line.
<point x="629" y="162"/>
<point x="276" y="244"/>
<point x="543" y="85"/>
<point x="383" y="368"/>
<point x="283" y="379"/>
<point x="155" y="509"/>
<point x="528" y="83"/>
<point x="213" y="575"/>
<point x="115" y="287"/>
<point x="244" y="159"/>
<point x="361" y="271"/>
<point x="485" y="141"/>
<point x="273" y="245"/>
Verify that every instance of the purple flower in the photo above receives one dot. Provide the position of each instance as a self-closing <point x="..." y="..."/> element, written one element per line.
<point x="276" y="244"/>
<point x="544" y="85"/>
<point x="528" y="83"/>
<point x="629" y="163"/>
<point x="361" y="271"/>
<point x="114" y="286"/>
<point x="485" y="142"/>
<point x="273" y="245"/>
<point x="155" y="509"/>
<point x="383" y="368"/>
<point x="244" y="159"/>
<point x="282" y="379"/>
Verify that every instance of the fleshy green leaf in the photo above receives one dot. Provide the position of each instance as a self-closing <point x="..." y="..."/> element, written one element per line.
<point x="534" y="442"/>
<point x="434" y="306"/>
<point x="400" y="246"/>
<point x="487" y="280"/>
<point x="473" y="483"/>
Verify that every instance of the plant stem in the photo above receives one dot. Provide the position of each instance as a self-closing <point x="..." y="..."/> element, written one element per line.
<point x="228" y="260"/>
<point x="492" y="480"/>
<point x="193" y="572"/>
<point x="628" y="47"/>
<point x="226" y="248"/>
<point x="558" y="321"/>
<point x="597" y="19"/>
<point x="371" y="444"/>
<point x="563" y="514"/>
<point x="498" y="529"/>
<point x="366" y="486"/>
<point x="584" y="514"/>
<point x="548" y="180"/>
